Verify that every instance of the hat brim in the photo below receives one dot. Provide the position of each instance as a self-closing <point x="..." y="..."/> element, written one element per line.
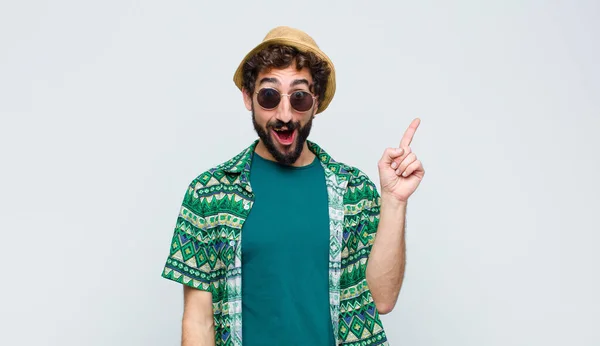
<point x="302" y="47"/>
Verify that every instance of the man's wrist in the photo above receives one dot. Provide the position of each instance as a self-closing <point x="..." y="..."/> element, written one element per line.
<point x="392" y="202"/>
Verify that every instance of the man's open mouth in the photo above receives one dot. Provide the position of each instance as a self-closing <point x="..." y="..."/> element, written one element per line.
<point x="284" y="136"/>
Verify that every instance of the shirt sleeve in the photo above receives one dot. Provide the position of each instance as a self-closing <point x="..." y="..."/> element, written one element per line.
<point x="192" y="258"/>
<point x="370" y="218"/>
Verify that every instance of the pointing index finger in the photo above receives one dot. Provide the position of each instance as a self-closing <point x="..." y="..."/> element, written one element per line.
<point x="410" y="133"/>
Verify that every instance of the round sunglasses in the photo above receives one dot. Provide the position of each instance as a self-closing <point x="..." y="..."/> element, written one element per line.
<point x="269" y="98"/>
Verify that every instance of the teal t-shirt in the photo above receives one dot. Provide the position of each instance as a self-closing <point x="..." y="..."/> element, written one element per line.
<point x="285" y="257"/>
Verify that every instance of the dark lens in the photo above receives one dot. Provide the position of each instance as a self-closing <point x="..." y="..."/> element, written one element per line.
<point x="268" y="98"/>
<point x="301" y="101"/>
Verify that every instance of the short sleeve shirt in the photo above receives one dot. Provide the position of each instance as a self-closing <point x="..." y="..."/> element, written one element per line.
<point x="205" y="250"/>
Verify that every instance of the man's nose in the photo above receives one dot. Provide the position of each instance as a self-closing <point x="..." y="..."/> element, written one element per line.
<point x="284" y="110"/>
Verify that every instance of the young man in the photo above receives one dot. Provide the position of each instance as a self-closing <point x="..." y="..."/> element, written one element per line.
<point x="282" y="245"/>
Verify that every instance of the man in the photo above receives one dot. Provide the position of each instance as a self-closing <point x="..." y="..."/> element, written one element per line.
<point x="282" y="245"/>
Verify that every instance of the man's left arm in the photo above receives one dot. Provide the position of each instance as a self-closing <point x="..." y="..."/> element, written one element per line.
<point x="400" y="173"/>
<point x="387" y="260"/>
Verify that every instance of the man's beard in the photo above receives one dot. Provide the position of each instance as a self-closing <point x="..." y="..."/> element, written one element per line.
<point x="264" y="134"/>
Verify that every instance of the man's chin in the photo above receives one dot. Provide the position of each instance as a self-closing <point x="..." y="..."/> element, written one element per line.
<point x="286" y="154"/>
<point x="284" y="149"/>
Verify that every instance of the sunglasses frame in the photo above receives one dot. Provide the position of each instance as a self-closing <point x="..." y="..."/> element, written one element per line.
<point x="281" y="95"/>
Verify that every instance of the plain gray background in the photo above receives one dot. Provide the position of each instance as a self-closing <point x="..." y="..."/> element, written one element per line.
<point x="109" y="109"/>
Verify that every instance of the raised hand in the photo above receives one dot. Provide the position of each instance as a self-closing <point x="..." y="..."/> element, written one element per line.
<point x="400" y="172"/>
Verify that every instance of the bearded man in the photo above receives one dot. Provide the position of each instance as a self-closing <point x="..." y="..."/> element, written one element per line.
<point x="281" y="244"/>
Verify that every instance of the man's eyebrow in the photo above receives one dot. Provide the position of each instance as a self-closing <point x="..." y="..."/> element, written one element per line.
<point x="269" y="80"/>
<point x="299" y="81"/>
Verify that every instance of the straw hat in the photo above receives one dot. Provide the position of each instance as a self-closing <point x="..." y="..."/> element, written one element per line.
<point x="300" y="40"/>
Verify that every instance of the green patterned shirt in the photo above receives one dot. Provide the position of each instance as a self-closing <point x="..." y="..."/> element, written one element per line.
<point x="205" y="251"/>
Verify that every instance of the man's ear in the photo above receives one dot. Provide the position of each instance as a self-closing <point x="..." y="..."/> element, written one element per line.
<point x="247" y="99"/>
<point x="316" y="108"/>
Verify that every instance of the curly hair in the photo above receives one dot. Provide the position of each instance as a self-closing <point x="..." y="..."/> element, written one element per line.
<point x="279" y="56"/>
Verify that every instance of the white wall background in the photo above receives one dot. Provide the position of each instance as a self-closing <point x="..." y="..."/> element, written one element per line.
<point x="109" y="109"/>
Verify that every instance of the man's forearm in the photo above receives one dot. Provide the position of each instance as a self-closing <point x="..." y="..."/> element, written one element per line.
<point x="385" y="269"/>
<point x="197" y="333"/>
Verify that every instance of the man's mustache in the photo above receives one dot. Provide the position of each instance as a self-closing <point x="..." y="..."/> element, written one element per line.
<point x="278" y="124"/>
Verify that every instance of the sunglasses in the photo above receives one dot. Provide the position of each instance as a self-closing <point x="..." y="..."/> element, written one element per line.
<point x="269" y="98"/>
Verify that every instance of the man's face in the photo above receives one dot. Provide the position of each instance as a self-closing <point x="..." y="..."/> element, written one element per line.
<point x="283" y="130"/>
